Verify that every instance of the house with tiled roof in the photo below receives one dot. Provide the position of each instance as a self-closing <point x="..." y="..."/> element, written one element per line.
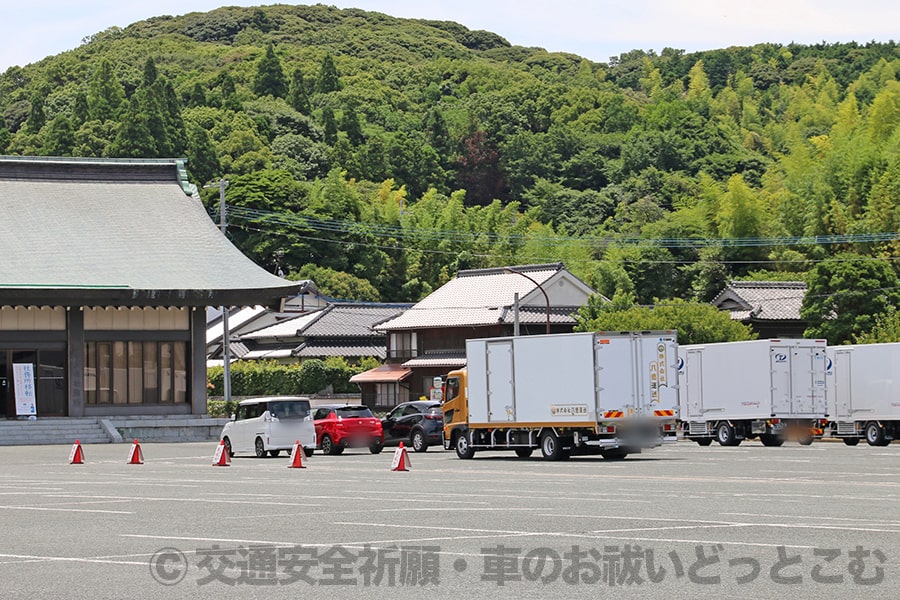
<point x="771" y="308"/>
<point x="340" y="329"/>
<point x="429" y="339"/>
<point x="108" y="268"/>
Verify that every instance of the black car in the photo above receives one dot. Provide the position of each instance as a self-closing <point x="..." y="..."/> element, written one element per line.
<point x="419" y="424"/>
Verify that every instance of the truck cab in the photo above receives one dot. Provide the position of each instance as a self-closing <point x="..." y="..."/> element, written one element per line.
<point x="455" y="406"/>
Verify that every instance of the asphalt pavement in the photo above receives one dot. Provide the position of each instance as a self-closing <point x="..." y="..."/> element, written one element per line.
<point x="675" y="522"/>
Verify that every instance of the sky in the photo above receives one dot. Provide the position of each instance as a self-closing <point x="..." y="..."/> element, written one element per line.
<point x="595" y="29"/>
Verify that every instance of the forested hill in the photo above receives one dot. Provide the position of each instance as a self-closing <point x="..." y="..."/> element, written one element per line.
<point x="380" y="155"/>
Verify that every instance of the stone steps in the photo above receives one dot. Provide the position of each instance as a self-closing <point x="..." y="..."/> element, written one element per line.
<point x="51" y="430"/>
<point x="103" y="430"/>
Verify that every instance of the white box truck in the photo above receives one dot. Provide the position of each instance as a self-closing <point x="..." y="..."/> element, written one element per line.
<point x="581" y="393"/>
<point x="864" y="392"/>
<point x="771" y="389"/>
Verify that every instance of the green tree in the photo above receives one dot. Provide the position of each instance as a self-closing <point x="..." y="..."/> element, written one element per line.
<point x="329" y="80"/>
<point x="886" y="329"/>
<point x="59" y="137"/>
<point x="329" y="124"/>
<point x="80" y="111"/>
<point x="134" y="138"/>
<point x="269" y="79"/>
<point x="846" y="295"/>
<point x="105" y="94"/>
<point x="695" y="322"/>
<point x="337" y="284"/>
<point x="36" y="118"/>
<point x="298" y="94"/>
<point x="203" y="161"/>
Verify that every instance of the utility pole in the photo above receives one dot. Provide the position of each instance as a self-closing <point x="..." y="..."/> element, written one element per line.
<point x="226" y="331"/>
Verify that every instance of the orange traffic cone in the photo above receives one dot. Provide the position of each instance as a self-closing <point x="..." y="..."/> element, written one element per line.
<point x="297" y="457"/>
<point x="136" y="455"/>
<point x="76" y="456"/>
<point x="222" y="457"/>
<point x="401" y="459"/>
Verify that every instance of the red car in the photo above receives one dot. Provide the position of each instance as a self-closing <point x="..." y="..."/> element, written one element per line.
<point x="340" y="426"/>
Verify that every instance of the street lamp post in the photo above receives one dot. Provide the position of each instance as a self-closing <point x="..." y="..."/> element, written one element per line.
<point x="539" y="286"/>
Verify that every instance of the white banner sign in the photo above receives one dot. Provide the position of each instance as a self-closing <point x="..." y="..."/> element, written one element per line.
<point x="23" y="378"/>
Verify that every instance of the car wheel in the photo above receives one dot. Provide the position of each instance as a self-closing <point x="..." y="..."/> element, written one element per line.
<point x="418" y="441"/>
<point x="551" y="446"/>
<point x="875" y="435"/>
<point x="376" y="446"/>
<point x="308" y="451"/>
<point x="805" y="440"/>
<point x="228" y="448"/>
<point x="726" y="436"/>
<point x="260" y="448"/>
<point x="703" y="441"/>
<point x="274" y="453"/>
<point x="524" y="452"/>
<point x="464" y="449"/>
<point x="328" y="446"/>
<point x="851" y="441"/>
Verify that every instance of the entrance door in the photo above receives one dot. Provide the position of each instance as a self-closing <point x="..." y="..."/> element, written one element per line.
<point x="49" y="381"/>
<point x="7" y="408"/>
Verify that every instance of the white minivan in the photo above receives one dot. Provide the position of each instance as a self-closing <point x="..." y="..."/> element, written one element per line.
<point x="269" y="425"/>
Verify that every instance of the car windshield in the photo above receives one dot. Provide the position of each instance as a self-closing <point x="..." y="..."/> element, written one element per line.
<point x="289" y="409"/>
<point x="345" y="412"/>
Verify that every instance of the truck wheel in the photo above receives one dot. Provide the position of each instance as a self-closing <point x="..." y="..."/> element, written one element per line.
<point x="614" y="453"/>
<point x="703" y="441"/>
<point x="875" y="435"/>
<point x="464" y="449"/>
<point x="851" y="441"/>
<point x="770" y="439"/>
<point x="805" y="440"/>
<point x="551" y="447"/>
<point x="524" y="452"/>
<point x="726" y="436"/>
<point x="260" y="448"/>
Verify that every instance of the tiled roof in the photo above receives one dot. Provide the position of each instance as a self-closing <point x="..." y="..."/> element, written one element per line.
<point x="762" y="300"/>
<point x="284" y="329"/>
<point x="317" y="349"/>
<point x="267" y="354"/>
<point x="344" y="319"/>
<point x="118" y="232"/>
<point x="485" y="297"/>
<point x="450" y="360"/>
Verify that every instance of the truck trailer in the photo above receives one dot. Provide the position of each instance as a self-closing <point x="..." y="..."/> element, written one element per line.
<point x="603" y="393"/>
<point x="864" y="392"/>
<point x="771" y="389"/>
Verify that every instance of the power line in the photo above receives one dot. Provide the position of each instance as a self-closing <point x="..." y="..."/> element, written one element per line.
<point x="308" y="222"/>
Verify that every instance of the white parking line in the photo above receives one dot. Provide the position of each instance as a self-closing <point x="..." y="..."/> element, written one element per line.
<point x="84" y="510"/>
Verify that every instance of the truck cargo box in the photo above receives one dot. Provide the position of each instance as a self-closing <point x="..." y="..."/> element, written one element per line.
<point x="864" y="391"/>
<point x="566" y="379"/>
<point x="757" y="379"/>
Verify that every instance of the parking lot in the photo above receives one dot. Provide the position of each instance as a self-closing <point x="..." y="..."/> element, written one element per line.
<point x="675" y="522"/>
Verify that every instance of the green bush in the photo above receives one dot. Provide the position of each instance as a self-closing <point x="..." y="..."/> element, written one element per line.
<point x="268" y="378"/>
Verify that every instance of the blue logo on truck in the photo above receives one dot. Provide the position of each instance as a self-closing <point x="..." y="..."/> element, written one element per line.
<point x="781" y="357"/>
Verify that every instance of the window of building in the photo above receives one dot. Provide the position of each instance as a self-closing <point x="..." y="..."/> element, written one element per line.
<point x="403" y="344"/>
<point x="135" y="372"/>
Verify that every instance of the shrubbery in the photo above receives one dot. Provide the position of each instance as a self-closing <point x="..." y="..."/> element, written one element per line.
<point x="268" y="378"/>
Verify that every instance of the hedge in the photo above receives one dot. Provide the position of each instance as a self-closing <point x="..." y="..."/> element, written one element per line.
<point x="269" y="378"/>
